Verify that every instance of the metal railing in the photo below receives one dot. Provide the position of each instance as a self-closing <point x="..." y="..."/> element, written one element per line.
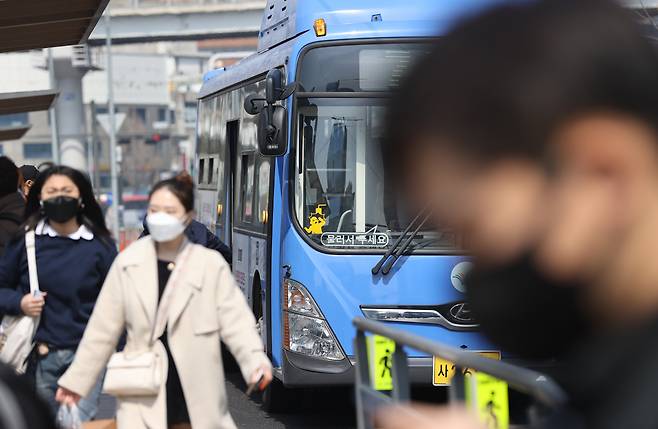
<point x="538" y="386"/>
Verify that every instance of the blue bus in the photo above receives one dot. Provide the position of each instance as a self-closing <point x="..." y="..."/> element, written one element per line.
<point x="290" y="174"/>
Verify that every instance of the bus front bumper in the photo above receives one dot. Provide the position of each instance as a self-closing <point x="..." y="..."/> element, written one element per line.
<point x="302" y="371"/>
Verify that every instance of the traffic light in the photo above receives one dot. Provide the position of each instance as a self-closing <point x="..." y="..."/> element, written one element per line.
<point x="156" y="138"/>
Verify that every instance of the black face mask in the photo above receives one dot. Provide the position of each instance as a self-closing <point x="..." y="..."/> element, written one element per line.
<point x="60" y="209"/>
<point x="524" y="312"/>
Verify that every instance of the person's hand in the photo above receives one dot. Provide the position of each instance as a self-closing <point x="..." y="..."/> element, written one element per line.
<point x="265" y="371"/>
<point x="33" y="305"/>
<point x="426" y="417"/>
<point x="65" y="396"/>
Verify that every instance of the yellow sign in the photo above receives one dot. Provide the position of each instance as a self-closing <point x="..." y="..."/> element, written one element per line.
<point x="444" y="370"/>
<point x="380" y="362"/>
<point x="488" y="397"/>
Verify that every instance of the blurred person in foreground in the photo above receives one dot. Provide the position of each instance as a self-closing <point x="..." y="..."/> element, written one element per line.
<point x="533" y="130"/>
<point x="23" y="408"/>
<point x="12" y="205"/>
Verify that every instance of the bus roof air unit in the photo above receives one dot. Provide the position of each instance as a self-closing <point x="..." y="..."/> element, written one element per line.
<point x="278" y="23"/>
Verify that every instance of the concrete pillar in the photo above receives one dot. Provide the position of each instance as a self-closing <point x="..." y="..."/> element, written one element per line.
<point x="69" y="108"/>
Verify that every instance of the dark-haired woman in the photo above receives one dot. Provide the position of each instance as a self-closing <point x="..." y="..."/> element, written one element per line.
<point x="183" y="294"/>
<point x="74" y="252"/>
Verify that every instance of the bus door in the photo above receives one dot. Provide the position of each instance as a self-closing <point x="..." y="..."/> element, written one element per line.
<point x="228" y="193"/>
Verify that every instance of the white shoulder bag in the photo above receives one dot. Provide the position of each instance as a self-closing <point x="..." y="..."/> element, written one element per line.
<point x="17" y="332"/>
<point x="142" y="374"/>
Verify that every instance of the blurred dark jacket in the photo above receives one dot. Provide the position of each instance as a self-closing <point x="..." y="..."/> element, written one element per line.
<point x="197" y="233"/>
<point x="19" y="391"/>
<point x="610" y="380"/>
<point x="12" y="207"/>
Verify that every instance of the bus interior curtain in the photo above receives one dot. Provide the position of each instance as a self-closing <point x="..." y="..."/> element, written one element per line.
<point x="392" y="197"/>
<point x="337" y="159"/>
<point x="313" y="182"/>
<point x="340" y="197"/>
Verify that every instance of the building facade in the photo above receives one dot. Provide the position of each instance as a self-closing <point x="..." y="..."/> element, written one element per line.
<point x="155" y="87"/>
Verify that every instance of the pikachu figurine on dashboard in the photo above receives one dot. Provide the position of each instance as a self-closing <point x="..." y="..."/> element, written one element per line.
<point x="317" y="220"/>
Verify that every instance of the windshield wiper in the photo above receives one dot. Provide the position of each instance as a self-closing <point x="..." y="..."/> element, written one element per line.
<point x="402" y="249"/>
<point x="390" y="252"/>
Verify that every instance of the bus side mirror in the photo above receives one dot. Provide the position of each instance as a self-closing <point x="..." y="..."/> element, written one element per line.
<point x="272" y="119"/>
<point x="254" y="104"/>
<point x="288" y="91"/>
<point x="273" y="86"/>
<point x="275" y="89"/>
<point x="272" y="131"/>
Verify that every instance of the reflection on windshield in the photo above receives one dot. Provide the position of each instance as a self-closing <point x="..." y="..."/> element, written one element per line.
<point x="343" y="178"/>
<point x="343" y="197"/>
<point x="358" y="68"/>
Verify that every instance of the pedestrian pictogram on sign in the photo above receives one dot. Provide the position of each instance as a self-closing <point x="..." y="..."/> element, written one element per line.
<point x="380" y="362"/>
<point x="488" y="396"/>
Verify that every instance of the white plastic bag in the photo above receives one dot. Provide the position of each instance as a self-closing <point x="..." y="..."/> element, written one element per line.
<point x="68" y="417"/>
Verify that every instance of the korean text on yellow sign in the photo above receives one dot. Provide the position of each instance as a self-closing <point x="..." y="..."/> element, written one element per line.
<point x="443" y="370"/>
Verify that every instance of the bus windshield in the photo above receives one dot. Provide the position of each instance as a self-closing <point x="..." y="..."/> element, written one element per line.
<point x="343" y="193"/>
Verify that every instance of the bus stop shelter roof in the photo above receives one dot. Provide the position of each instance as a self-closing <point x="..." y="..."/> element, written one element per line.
<point x="35" y="24"/>
<point x="13" y="133"/>
<point x="26" y="101"/>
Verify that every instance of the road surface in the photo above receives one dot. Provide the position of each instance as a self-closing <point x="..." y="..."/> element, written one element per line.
<point x="322" y="409"/>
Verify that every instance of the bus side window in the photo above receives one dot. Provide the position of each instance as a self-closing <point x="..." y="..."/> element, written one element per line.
<point x="247" y="188"/>
<point x="202" y="170"/>
<point x="211" y="170"/>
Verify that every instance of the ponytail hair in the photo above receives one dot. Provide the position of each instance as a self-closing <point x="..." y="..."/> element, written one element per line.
<point x="182" y="186"/>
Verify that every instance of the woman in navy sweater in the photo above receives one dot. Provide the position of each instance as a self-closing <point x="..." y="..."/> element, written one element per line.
<point x="74" y="252"/>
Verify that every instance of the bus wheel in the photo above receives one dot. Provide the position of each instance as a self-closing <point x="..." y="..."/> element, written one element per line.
<point x="276" y="398"/>
<point x="257" y="308"/>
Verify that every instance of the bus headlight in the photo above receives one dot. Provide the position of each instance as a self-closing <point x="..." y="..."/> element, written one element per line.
<point x="305" y="330"/>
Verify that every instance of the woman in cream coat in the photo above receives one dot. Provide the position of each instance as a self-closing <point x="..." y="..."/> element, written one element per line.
<point x="206" y="306"/>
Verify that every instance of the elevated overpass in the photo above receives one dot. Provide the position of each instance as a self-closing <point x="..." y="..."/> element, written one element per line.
<point x="138" y="21"/>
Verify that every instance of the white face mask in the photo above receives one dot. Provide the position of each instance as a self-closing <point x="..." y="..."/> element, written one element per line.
<point x="164" y="227"/>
